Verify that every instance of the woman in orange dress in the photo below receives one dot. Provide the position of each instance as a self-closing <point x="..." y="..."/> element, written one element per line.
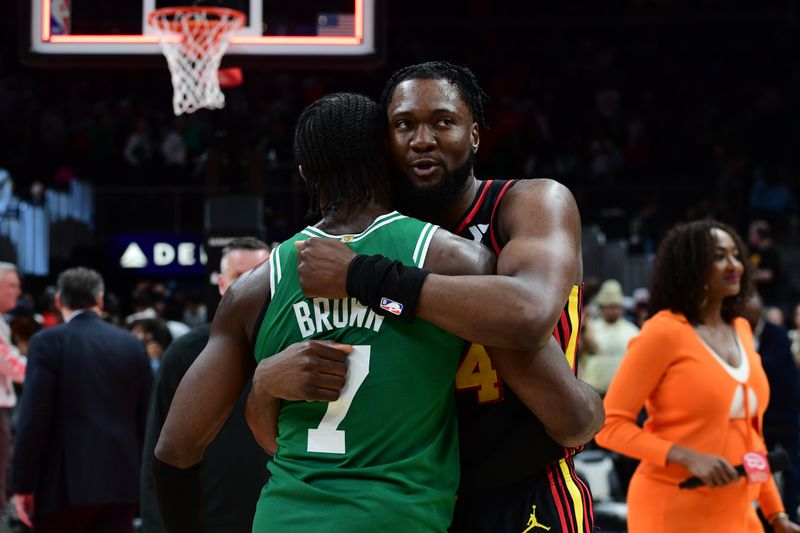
<point x="695" y="370"/>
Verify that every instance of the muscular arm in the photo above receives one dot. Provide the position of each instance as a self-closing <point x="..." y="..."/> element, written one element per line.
<point x="210" y="388"/>
<point x="518" y="308"/>
<point x="570" y="410"/>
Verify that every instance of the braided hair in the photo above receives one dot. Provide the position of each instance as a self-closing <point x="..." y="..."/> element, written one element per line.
<point x="337" y="142"/>
<point x="682" y="266"/>
<point x="460" y="76"/>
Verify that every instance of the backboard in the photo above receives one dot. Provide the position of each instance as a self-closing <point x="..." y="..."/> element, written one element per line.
<point x="322" y="33"/>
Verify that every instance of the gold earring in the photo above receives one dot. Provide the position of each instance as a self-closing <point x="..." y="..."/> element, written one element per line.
<point x="704" y="301"/>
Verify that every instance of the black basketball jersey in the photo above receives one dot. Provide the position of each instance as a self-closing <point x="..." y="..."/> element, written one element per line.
<point x="501" y="440"/>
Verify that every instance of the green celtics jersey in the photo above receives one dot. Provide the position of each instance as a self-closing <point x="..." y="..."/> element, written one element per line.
<point x="384" y="457"/>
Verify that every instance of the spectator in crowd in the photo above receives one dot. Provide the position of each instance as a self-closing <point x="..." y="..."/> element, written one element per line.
<point x="775" y="316"/>
<point x="47" y="307"/>
<point x="231" y="481"/>
<point x="695" y="369"/>
<point x="782" y="418"/>
<point x="641" y="304"/>
<point x="12" y="368"/>
<point x="149" y="302"/>
<point x="610" y="334"/>
<point x="142" y="302"/>
<point x="772" y="198"/>
<point x="23" y="326"/>
<point x="173" y="151"/>
<point x="111" y="310"/>
<point x="155" y="335"/>
<point x="794" y="335"/>
<point x="195" y="313"/>
<point x="766" y="262"/>
<point x="81" y="423"/>
<point x="139" y="147"/>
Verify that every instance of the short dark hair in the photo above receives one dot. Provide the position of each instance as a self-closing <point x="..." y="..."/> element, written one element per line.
<point x="461" y="76"/>
<point x="244" y="243"/>
<point x="80" y="287"/>
<point x="681" y="268"/>
<point x="337" y="141"/>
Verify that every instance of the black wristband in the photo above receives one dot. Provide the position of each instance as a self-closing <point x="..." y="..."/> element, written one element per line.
<point x="386" y="286"/>
<point x="179" y="492"/>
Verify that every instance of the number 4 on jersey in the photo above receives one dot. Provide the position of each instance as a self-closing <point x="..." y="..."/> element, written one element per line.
<point x="476" y="372"/>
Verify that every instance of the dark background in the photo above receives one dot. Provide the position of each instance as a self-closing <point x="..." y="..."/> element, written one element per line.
<point x="651" y="112"/>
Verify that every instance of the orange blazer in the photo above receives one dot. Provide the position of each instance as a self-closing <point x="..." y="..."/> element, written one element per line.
<point x="688" y="396"/>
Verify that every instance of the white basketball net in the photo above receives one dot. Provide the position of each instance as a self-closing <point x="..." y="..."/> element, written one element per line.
<point x="194" y="42"/>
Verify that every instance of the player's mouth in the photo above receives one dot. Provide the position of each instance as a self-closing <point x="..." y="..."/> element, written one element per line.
<point x="424" y="168"/>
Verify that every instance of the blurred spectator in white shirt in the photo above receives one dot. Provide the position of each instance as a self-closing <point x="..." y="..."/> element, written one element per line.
<point x="609" y="334"/>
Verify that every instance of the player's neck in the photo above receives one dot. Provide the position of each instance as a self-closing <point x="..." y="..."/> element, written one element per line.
<point x="452" y="214"/>
<point x="351" y="219"/>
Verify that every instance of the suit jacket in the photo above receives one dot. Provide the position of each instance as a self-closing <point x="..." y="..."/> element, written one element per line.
<point x="82" y="416"/>
<point x="234" y="466"/>
<point x="784" y="380"/>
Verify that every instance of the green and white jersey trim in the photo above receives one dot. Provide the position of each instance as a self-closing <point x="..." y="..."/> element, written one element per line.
<point x="355" y="237"/>
<point x="420" y="251"/>
<point x="275" y="272"/>
<point x="424" y="241"/>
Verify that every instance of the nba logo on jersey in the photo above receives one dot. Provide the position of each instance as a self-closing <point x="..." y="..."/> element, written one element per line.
<point x="396" y="308"/>
<point x="347" y="238"/>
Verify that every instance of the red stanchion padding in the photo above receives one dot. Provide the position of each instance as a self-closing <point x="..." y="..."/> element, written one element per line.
<point x="230" y="77"/>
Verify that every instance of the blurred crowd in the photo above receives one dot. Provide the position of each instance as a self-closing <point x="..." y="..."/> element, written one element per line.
<point x="158" y="314"/>
<point x="630" y="120"/>
<point x="612" y="317"/>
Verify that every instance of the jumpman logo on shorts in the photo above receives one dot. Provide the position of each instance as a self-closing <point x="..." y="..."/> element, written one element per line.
<point x="533" y="523"/>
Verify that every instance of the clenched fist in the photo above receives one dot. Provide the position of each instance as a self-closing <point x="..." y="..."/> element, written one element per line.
<point x="322" y="267"/>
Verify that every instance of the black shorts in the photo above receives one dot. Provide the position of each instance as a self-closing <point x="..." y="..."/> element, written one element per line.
<point x="555" y="501"/>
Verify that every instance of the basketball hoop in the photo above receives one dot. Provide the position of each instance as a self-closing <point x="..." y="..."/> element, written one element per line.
<point x="193" y="40"/>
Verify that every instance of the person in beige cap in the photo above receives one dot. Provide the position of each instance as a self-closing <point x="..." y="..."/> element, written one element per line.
<point x="610" y="333"/>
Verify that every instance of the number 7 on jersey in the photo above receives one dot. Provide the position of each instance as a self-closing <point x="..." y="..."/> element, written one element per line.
<point x="326" y="438"/>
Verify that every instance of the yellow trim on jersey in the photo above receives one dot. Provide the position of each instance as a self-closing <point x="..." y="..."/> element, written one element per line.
<point x="575" y="322"/>
<point x="574" y="492"/>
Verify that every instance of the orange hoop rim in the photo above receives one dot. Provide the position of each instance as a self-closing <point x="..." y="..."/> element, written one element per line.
<point x="167" y="15"/>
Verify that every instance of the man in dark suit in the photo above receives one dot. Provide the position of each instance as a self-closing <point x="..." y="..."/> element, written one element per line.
<point x="82" y="417"/>
<point x="782" y="418"/>
<point x="234" y="465"/>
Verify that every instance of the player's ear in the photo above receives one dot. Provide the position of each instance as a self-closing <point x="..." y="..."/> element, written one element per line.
<point x="302" y="174"/>
<point x="475" y="137"/>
